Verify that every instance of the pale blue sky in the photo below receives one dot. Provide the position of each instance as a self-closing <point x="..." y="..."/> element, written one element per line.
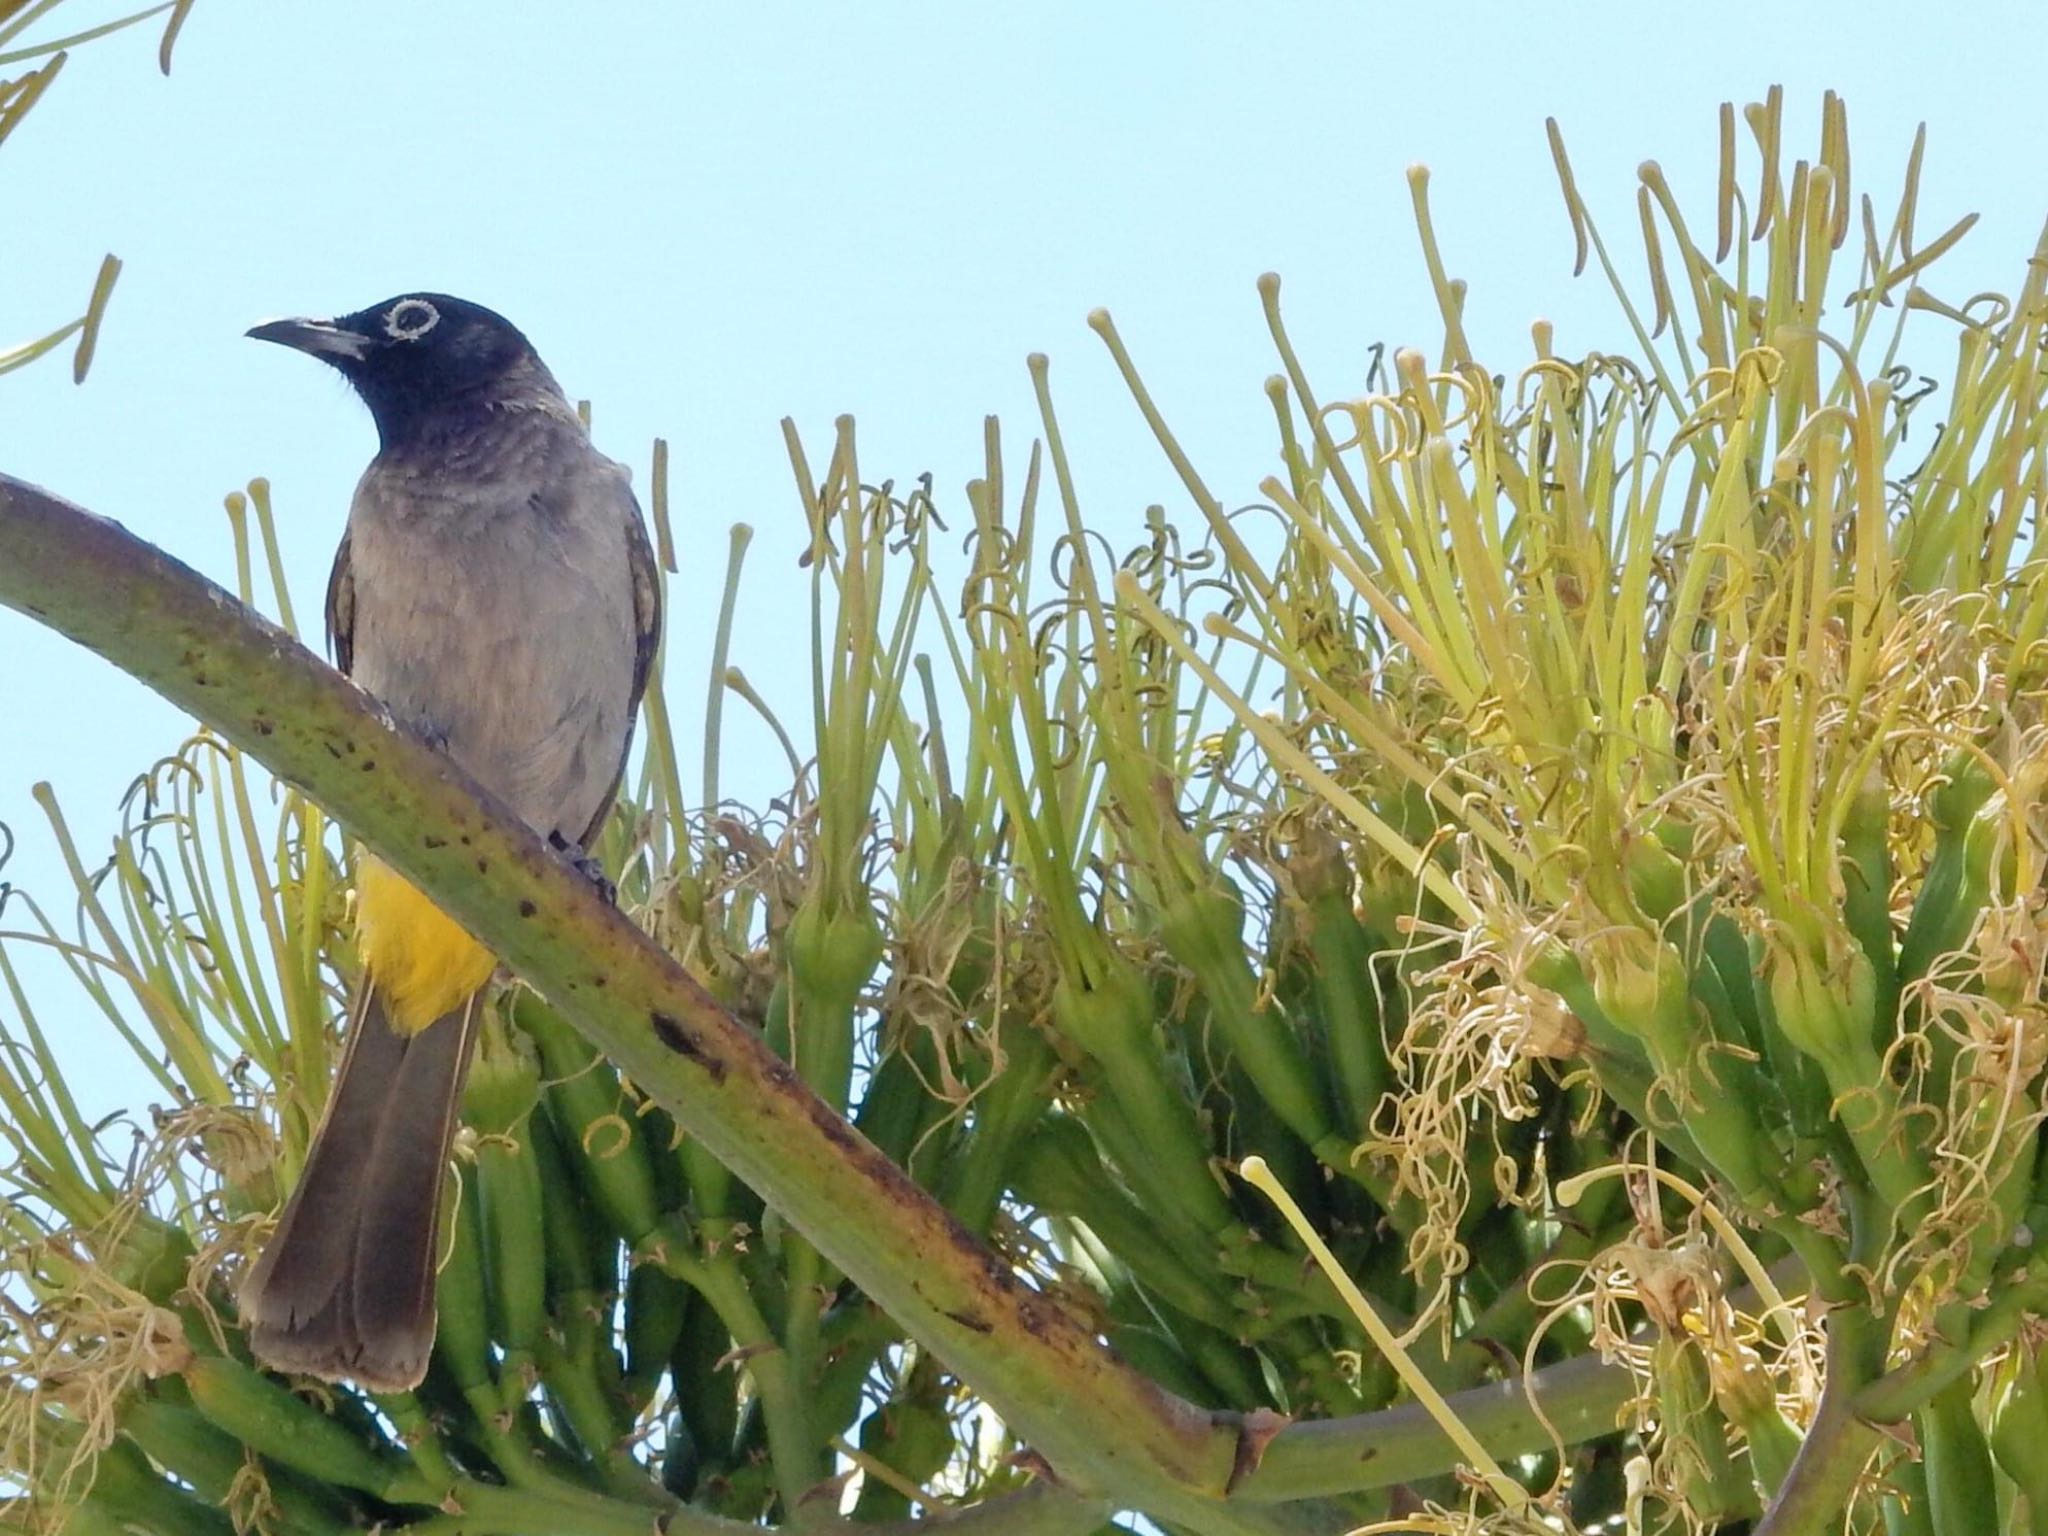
<point x="707" y="217"/>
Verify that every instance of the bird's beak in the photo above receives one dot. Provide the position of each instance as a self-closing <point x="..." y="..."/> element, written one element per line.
<point x="321" y="338"/>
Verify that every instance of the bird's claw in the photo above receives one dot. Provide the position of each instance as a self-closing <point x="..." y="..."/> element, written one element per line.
<point x="586" y="865"/>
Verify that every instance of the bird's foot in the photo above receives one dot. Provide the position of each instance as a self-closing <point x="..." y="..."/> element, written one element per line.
<point x="585" y="865"/>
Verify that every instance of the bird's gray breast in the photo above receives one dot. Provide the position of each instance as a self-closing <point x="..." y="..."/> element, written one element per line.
<point x="494" y="611"/>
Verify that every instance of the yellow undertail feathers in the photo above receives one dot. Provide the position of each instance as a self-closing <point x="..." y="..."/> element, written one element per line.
<point x="421" y="960"/>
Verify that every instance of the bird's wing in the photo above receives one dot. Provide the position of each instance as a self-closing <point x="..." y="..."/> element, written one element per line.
<point x="646" y="589"/>
<point x="341" y="610"/>
<point x="646" y="599"/>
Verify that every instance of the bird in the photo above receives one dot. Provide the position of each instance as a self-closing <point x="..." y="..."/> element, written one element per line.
<point x="495" y="590"/>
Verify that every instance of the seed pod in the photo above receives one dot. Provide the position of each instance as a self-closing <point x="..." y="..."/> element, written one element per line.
<point x="1112" y="1021"/>
<point x="680" y="1463"/>
<point x="1641" y="985"/>
<point x="1658" y="881"/>
<point x="462" y="1335"/>
<point x="91" y="1518"/>
<point x="575" y="1357"/>
<point x="707" y="1396"/>
<point x="1203" y="928"/>
<point x="1823" y="1000"/>
<point x="602" y="1137"/>
<point x="152" y="1256"/>
<point x="1159" y="1354"/>
<point x="1867" y="892"/>
<point x="1961" y="1497"/>
<point x="504" y="1087"/>
<point x="912" y="1435"/>
<point x="1348" y="996"/>
<point x="289" y="1431"/>
<point x="2019" y="1430"/>
<point x="184" y="1443"/>
<point x="1905" y="1507"/>
<point x="1694" y="1430"/>
<point x="1005" y="1110"/>
<point x="1058" y="1171"/>
<point x="831" y="949"/>
<point x="127" y="1495"/>
<point x="1796" y="1076"/>
<point x="1744" y="1391"/>
<point x="656" y="1306"/>
<point x="1956" y="881"/>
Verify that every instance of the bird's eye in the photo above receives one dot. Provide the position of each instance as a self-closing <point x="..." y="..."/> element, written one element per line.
<point x="410" y="319"/>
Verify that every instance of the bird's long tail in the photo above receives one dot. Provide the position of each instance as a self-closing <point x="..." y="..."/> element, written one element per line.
<point x="345" y="1289"/>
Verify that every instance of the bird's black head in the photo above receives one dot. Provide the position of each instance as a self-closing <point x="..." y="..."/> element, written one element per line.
<point x="420" y="360"/>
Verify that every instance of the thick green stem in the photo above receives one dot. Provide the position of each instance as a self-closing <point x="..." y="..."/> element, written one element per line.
<point x="1838" y="1444"/>
<point x="1580" y="1397"/>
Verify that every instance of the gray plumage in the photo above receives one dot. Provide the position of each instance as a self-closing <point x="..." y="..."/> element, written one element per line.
<point x="496" y="591"/>
<point x="487" y="588"/>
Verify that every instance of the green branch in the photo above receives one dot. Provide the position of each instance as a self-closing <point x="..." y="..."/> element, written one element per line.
<point x="1838" y="1444"/>
<point x="1581" y="1398"/>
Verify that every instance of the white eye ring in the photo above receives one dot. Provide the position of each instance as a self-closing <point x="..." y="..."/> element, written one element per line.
<point x="411" y="319"/>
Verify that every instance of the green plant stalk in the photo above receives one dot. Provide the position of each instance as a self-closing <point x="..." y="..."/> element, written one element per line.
<point x="190" y="1055"/>
<point x="830" y="950"/>
<point x="1907" y="1387"/>
<point x="1838" y="1443"/>
<point x="420" y="1437"/>
<point x="45" y="1134"/>
<point x="567" y="1363"/>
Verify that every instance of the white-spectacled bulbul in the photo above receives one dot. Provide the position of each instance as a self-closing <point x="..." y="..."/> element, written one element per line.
<point x="496" y="591"/>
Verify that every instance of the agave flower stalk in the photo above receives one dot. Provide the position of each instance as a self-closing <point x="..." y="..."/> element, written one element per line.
<point x="1621" y="775"/>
